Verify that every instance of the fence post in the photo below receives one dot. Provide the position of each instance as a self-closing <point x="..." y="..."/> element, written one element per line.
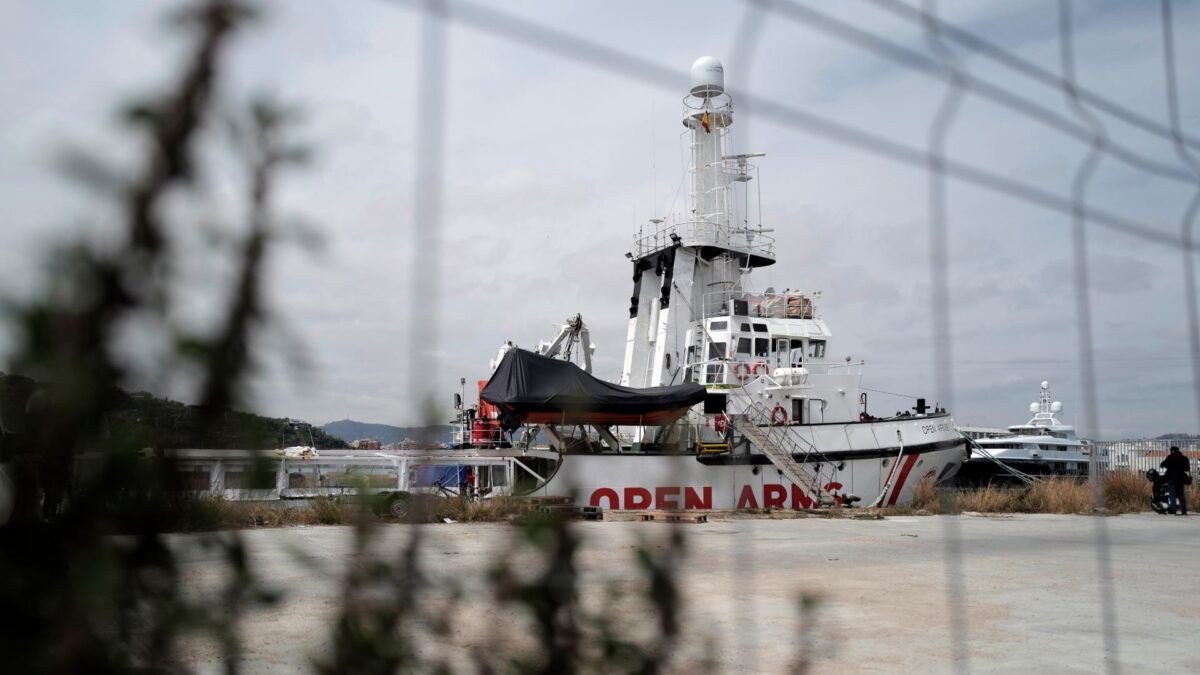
<point x="216" y="478"/>
<point x="281" y="477"/>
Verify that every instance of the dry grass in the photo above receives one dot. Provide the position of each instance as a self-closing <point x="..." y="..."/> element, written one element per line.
<point x="328" y="511"/>
<point x="988" y="499"/>
<point x="926" y="496"/>
<point x="497" y="509"/>
<point x="246" y="515"/>
<point x="202" y="515"/>
<point x="1126" y="492"/>
<point x="1058" y="495"/>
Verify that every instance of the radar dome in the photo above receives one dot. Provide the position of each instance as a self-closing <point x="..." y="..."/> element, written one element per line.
<point x="1056" y="407"/>
<point x="708" y="77"/>
<point x="1033" y="407"/>
<point x="1045" y="384"/>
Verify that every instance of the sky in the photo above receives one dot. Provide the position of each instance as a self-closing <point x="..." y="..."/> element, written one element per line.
<point x="551" y="164"/>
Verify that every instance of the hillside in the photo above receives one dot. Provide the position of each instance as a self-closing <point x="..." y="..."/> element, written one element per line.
<point x="350" y="430"/>
<point x="142" y="420"/>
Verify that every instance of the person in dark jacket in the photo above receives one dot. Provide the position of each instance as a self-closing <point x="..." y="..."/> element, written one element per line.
<point x="1177" y="466"/>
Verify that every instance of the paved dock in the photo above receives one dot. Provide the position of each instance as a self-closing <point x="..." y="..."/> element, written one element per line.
<point x="1025" y="593"/>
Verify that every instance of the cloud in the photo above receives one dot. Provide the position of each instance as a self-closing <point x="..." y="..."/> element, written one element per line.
<point x="550" y="167"/>
<point x="1109" y="274"/>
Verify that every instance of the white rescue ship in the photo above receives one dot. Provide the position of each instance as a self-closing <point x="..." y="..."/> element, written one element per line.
<point x="729" y="397"/>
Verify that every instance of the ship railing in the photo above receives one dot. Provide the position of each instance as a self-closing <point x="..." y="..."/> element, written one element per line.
<point x="806" y="455"/>
<point x="765" y="417"/>
<point x="785" y="305"/>
<point x="849" y="367"/>
<point x="705" y="232"/>
<point x="732" y="372"/>
<point x="268" y="475"/>
<point x="491" y="437"/>
<point x="742" y="369"/>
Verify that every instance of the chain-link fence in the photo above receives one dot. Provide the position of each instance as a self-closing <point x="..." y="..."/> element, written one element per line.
<point x="1046" y="93"/>
<point x="390" y="610"/>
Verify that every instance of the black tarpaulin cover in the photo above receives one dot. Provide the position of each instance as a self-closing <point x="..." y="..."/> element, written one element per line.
<point x="526" y="382"/>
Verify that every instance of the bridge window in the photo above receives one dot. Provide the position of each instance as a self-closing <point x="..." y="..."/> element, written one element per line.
<point x="745" y="328"/>
<point x="816" y="349"/>
<point x="718" y="325"/>
<point x="716" y="350"/>
<point x="760" y="328"/>
<point x="743" y="346"/>
<point x="761" y="347"/>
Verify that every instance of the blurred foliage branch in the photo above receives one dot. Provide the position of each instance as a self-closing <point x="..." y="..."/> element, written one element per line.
<point x="76" y="597"/>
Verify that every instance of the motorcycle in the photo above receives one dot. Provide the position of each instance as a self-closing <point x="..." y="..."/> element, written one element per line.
<point x="1159" y="490"/>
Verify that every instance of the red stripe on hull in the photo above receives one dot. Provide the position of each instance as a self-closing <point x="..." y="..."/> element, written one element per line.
<point x="908" y="465"/>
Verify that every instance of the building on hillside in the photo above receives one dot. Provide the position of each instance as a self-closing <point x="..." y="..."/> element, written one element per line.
<point x="365" y="444"/>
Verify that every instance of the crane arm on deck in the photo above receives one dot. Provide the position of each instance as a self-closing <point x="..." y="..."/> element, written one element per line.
<point x="573" y="330"/>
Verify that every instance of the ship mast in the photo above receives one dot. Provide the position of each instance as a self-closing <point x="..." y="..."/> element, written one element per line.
<point x="708" y="249"/>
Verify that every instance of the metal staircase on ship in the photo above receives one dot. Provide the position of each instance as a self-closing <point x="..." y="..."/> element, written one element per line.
<point x="781" y="448"/>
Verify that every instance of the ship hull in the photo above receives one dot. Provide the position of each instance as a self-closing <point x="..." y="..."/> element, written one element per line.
<point x="980" y="471"/>
<point x="855" y="460"/>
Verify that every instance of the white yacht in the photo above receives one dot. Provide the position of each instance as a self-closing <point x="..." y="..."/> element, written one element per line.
<point x="1041" y="446"/>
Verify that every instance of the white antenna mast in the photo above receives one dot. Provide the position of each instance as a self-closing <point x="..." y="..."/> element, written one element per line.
<point x="653" y="168"/>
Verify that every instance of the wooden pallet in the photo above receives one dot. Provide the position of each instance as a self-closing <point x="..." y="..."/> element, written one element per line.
<point x="676" y="516"/>
<point x="570" y="511"/>
<point x="564" y="507"/>
<point x="549" y="501"/>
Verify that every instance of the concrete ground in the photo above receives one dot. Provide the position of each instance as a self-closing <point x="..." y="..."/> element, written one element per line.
<point x="1028" y="593"/>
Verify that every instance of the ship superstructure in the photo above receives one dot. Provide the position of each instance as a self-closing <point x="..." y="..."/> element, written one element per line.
<point x="695" y="314"/>
<point x="696" y="264"/>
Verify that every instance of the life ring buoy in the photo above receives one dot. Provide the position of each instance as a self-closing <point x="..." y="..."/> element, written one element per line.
<point x="741" y="371"/>
<point x="766" y="370"/>
<point x="720" y="423"/>
<point x="778" y="415"/>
